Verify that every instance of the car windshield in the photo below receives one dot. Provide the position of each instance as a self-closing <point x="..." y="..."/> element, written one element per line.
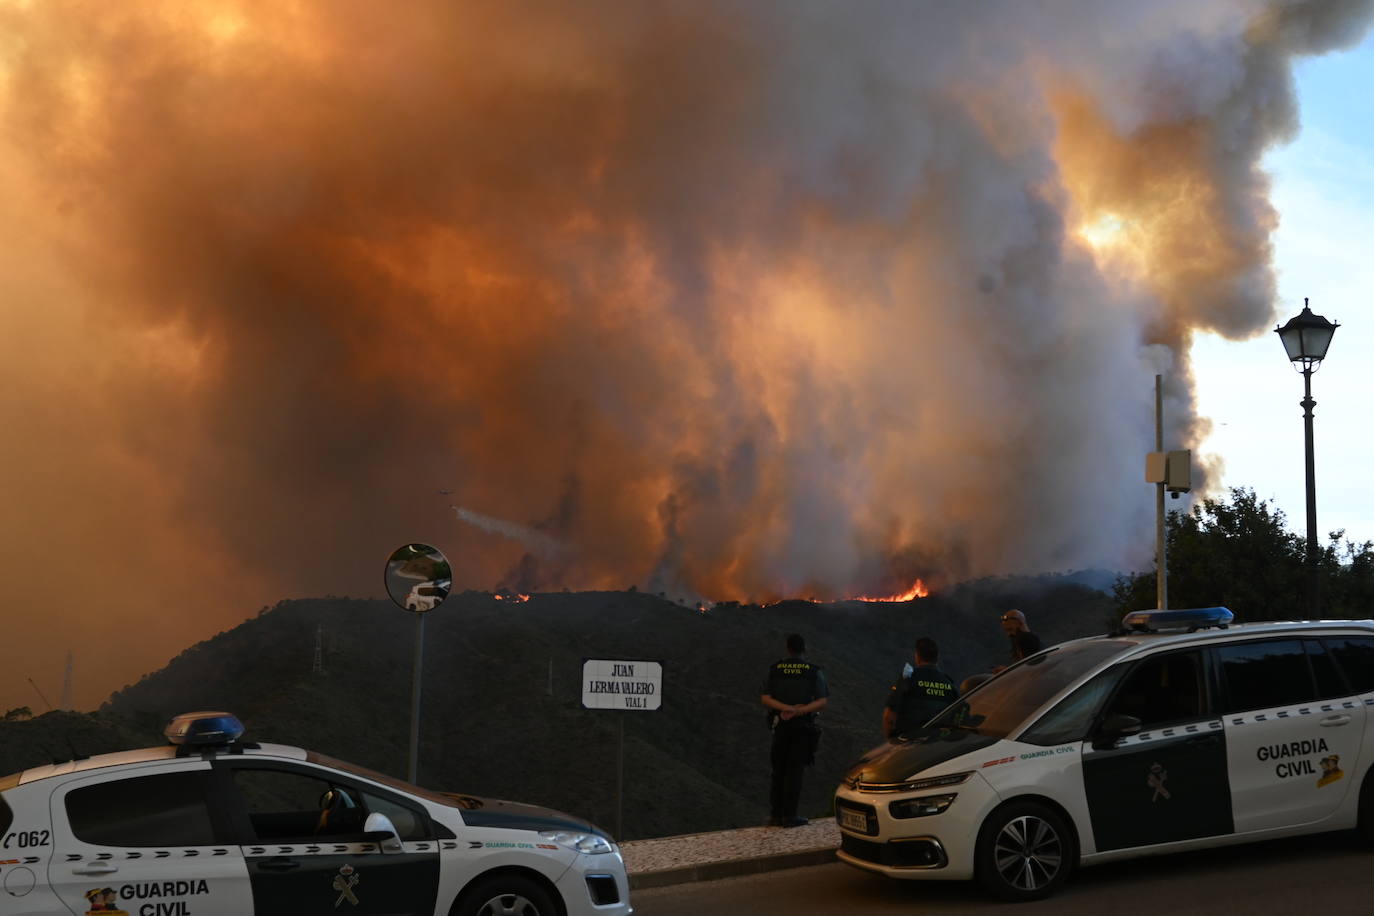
<point x="1001" y="705"/>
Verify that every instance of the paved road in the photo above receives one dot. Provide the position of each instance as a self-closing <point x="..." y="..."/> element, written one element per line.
<point x="1316" y="876"/>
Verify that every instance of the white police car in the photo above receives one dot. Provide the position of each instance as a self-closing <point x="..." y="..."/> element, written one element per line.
<point x="209" y="826"/>
<point x="426" y="596"/>
<point x="1139" y="743"/>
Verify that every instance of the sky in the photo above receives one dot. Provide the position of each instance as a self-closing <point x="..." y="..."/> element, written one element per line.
<point x="1324" y="194"/>
<point x="719" y="299"/>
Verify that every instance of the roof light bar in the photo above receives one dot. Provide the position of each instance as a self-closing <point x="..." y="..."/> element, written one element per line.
<point x="202" y="729"/>
<point x="1189" y="619"/>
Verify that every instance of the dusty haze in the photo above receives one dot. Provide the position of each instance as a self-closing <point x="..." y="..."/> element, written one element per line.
<point x="731" y="300"/>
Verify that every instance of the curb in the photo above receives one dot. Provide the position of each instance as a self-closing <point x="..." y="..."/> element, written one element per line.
<point x="711" y="871"/>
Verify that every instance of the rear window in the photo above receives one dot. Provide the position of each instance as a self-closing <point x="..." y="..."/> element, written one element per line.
<point x="168" y="809"/>
<point x="1356" y="657"/>
<point x="1263" y="675"/>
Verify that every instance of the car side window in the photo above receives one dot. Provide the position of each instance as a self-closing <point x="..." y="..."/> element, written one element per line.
<point x="1072" y="716"/>
<point x="1355" y="655"/>
<point x="166" y="809"/>
<point x="285" y="805"/>
<point x="1162" y="689"/>
<point x="288" y="805"/>
<point x="1262" y="675"/>
<point x="1330" y="684"/>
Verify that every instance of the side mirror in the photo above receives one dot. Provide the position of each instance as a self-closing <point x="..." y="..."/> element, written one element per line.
<point x="379" y="829"/>
<point x="1117" y="725"/>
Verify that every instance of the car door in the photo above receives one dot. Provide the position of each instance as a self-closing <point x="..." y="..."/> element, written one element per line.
<point x="301" y="830"/>
<point x="1167" y="782"/>
<point x="1292" y="729"/>
<point x="150" y="841"/>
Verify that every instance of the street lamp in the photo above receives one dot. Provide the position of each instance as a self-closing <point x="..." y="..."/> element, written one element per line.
<point x="1305" y="338"/>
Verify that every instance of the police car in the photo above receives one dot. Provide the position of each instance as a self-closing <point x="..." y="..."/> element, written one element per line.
<point x="212" y="826"/>
<point x="428" y="595"/>
<point x="1179" y="732"/>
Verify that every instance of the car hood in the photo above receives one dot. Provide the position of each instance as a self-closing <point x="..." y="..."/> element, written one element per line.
<point x="923" y="750"/>
<point x="496" y="812"/>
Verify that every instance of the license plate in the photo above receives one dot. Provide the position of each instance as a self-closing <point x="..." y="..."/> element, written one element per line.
<point x="853" y="820"/>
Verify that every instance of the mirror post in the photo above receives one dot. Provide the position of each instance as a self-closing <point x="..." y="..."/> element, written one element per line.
<point x="415" y="698"/>
<point x="418" y="578"/>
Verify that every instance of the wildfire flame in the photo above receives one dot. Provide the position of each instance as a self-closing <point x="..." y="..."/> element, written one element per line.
<point x="918" y="590"/>
<point x="514" y="599"/>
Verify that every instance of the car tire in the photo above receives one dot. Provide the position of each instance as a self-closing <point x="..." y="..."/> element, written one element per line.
<point x="1025" y="851"/>
<point x="506" y="895"/>
<point x="1364" y="826"/>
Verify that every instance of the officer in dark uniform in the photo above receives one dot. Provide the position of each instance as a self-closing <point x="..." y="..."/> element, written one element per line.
<point x="795" y="692"/>
<point x="913" y="701"/>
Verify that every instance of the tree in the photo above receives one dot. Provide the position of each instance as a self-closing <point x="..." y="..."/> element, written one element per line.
<point x="1240" y="555"/>
<point x="17" y="714"/>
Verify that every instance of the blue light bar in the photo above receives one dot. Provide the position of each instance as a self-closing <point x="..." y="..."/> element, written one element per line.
<point x="1189" y="619"/>
<point x="199" y="729"/>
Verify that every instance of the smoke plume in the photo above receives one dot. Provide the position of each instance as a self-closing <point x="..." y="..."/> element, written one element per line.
<point x="733" y="299"/>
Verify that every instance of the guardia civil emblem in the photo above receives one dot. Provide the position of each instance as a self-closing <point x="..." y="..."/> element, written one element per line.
<point x="1331" y="770"/>
<point x="1155" y="780"/>
<point x="344" y="882"/>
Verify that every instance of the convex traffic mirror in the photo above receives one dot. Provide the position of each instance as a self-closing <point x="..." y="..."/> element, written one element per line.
<point x="418" y="577"/>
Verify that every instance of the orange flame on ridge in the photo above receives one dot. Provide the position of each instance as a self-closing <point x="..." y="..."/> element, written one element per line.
<point x="918" y="590"/>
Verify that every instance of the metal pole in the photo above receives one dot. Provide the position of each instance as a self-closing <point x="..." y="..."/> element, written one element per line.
<point x="1161" y="569"/>
<point x="415" y="694"/>
<point x="1313" y="609"/>
<point x="620" y="786"/>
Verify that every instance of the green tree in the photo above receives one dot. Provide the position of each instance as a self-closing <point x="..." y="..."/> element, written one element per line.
<point x="1241" y="555"/>
<point x="1348" y="578"/>
<point x="17" y="714"/>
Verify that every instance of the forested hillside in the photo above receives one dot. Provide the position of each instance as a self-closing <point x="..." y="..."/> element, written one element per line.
<point x="502" y="711"/>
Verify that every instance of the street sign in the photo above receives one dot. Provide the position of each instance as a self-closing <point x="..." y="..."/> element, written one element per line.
<point x="609" y="683"/>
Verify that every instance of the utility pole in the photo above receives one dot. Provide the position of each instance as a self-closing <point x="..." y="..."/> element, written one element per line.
<point x="318" y="667"/>
<point x="1170" y="472"/>
<point x="1162" y="570"/>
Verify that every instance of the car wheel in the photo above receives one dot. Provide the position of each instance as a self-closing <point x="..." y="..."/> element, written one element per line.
<point x="1025" y="851"/>
<point x="506" y="895"/>
<point x="1365" y="825"/>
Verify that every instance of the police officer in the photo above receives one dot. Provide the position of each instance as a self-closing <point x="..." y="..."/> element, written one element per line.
<point x="913" y="701"/>
<point x="794" y="693"/>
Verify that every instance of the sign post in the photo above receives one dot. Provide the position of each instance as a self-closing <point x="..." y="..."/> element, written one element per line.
<point x="624" y="684"/>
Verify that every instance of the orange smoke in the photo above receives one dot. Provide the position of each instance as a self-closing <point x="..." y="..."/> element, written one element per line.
<point x="719" y="300"/>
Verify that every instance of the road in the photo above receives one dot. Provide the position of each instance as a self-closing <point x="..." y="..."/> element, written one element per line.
<point x="1314" y="876"/>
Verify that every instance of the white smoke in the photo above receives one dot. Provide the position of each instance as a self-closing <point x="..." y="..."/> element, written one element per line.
<point x="534" y="540"/>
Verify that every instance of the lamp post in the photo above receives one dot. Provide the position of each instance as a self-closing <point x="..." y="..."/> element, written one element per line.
<point x="1305" y="338"/>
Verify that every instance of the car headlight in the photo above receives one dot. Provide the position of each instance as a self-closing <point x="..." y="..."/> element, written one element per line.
<point x="937" y="782"/>
<point x="589" y="844"/>
<point x="924" y="806"/>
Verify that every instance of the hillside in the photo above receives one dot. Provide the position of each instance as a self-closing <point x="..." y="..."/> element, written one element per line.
<point x="502" y="711"/>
